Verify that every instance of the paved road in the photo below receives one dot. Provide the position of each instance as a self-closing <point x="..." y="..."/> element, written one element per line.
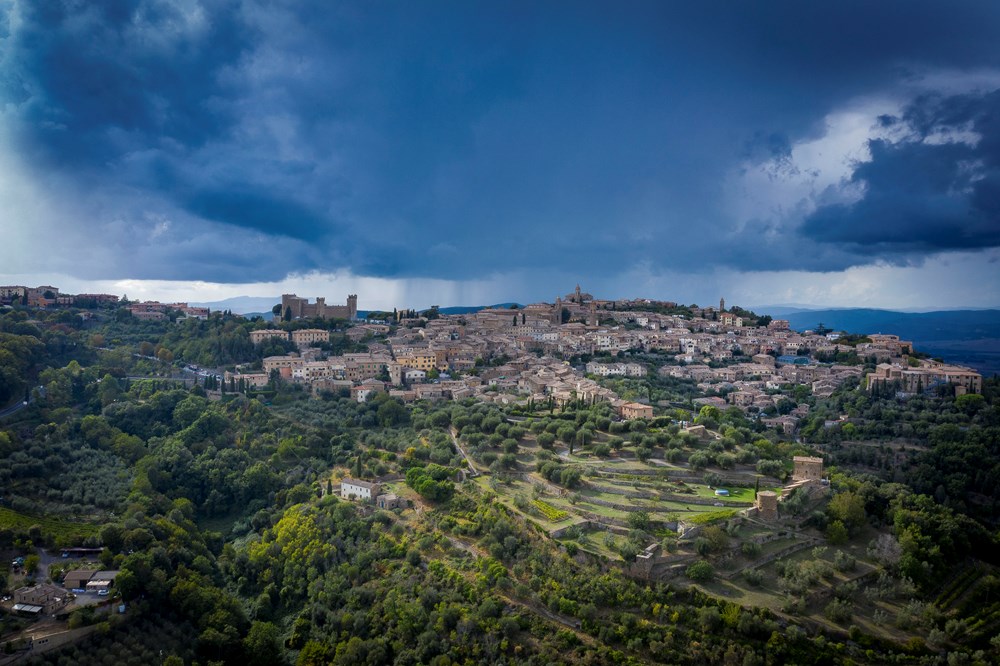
<point x="15" y="408"/>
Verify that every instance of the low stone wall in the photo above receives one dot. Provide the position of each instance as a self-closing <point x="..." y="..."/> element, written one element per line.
<point x="631" y="472"/>
<point x="824" y="595"/>
<point x="615" y="505"/>
<point x="561" y="532"/>
<point x="617" y="525"/>
<point x="605" y="521"/>
<point x="791" y="549"/>
<point x="742" y="481"/>
<point x="630" y="492"/>
<point x="43" y="644"/>
<point x="551" y="489"/>
<point x="704" y="501"/>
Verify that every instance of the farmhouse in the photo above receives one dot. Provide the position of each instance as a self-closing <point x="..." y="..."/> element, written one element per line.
<point x="357" y="489"/>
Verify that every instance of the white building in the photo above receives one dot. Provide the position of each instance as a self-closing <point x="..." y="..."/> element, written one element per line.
<point x="413" y="375"/>
<point x="356" y="489"/>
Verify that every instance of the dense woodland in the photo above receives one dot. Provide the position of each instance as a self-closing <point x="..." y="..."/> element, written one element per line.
<point x="231" y="550"/>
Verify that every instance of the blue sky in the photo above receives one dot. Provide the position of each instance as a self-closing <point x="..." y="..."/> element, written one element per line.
<point x="826" y="153"/>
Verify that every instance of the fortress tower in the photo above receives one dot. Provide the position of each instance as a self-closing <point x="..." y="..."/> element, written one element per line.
<point x="767" y="505"/>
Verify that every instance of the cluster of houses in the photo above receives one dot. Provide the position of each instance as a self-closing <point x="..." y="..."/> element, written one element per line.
<point x="156" y="311"/>
<point x="45" y="296"/>
<point x="46" y="599"/>
<point x="511" y="356"/>
<point x="925" y="375"/>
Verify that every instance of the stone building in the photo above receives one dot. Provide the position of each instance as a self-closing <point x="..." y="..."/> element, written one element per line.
<point x="390" y="501"/>
<point x="807" y="468"/>
<point x="635" y="410"/>
<point x="39" y="599"/>
<point x="309" y="336"/>
<point x="258" y="337"/>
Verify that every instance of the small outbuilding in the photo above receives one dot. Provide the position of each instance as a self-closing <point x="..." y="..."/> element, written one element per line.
<point x="390" y="501"/>
<point x="78" y="579"/>
<point x="102" y="580"/>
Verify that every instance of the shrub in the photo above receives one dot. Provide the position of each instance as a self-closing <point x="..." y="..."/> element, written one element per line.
<point x="771" y="468"/>
<point x="701" y="571"/>
<point x="638" y="520"/>
<point x="838" y="611"/>
<point x="700" y="460"/>
<point x="844" y="562"/>
<point x="836" y="533"/>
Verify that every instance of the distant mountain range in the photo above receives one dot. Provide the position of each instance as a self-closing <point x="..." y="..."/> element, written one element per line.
<point x="243" y="305"/>
<point x="968" y="337"/>
<point x="923" y="326"/>
<point x="782" y="309"/>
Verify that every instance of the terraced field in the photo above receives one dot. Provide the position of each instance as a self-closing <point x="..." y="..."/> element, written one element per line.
<point x="63" y="531"/>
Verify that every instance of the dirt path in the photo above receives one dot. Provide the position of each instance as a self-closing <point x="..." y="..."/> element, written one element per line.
<point x="570" y="623"/>
<point x="473" y="472"/>
<point x="470" y="548"/>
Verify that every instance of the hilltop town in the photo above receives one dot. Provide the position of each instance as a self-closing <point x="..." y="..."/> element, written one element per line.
<point x="559" y="352"/>
<point x="537" y="353"/>
<point x="708" y="460"/>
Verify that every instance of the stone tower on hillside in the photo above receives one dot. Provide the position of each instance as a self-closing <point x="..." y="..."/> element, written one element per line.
<point x="767" y="505"/>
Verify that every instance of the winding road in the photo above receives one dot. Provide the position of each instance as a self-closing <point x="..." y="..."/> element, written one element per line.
<point x="18" y="406"/>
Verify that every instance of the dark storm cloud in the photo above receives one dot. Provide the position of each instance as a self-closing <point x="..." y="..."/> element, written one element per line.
<point x="936" y="189"/>
<point x="146" y="70"/>
<point x="259" y="211"/>
<point x="461" y="139"/>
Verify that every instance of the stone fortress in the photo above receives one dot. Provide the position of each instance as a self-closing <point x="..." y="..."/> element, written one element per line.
<point x="807" y="474"/>
<point x="301" y="308"/>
